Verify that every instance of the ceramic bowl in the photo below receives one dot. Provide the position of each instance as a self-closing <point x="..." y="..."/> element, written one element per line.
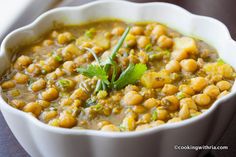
<point x="41" y="140"/>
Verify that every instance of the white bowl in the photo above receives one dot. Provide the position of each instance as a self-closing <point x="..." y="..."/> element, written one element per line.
<point x="41" y="140"/>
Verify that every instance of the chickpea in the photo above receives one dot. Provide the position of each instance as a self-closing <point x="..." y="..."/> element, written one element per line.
<point x="130" y="41"/>
<point x="51" y="76"/>
<point x="102" y="94"/>
<point x="131" y="88"/>
<point x="54" y="34"/>
<point x="157" y="31"/>
<point x="77" y="103"/>
<point x="179" y="55"/>
<point x="59" y="72"/>
<point x="110" y="128"/>
<point x="50" y="94"/>
<point x="212" y="91"/>
<point x="202" y="99"/>
<point x="103" y="123"/>
<point x="157" y="123"/>
<point x="162" y="114"/>
<point x="46" y="69"/>
<point x="69" y="66"/>
<point x="198" y="83"/>
<point x="222" y="94"/>
<point x="34" y="69"/>
<point x="129" y="123"/>
<point x="52" y="62"/>
<point x="152" y="124"/>
<point x="98" y="50"/>
<point x="66" y="120"/>
<point x="174" y="120"/>
<point x="143" y="127"/>
<point x="21" y="78"/>
<point x="43" y="103"/>
<point x="226" y="70"/>
<point x="189" y="101"/>
<point x="47" y="42"/>
<point x="139" y="109"/>
<point x="194" y="113"/>
<point x="87" y="44"/>
<point x="48" y="115"/>
<point x="70" y="51"/>
<point x="169" y="89"/>
<point x="64" y="38"/>
<point x="22" y="62"/>
<point x="66" y="84"/>
<point x="170" y="102"/>
<point x="66" y="101"/>
<point x="33" y="107"/>
<point x="36" y="48"/>
<point x="186" y="89"/>
<point x="18" y="103"/>
<point x="151" y="102"/>
<point x="118" y="31"/>
<point x="8" y="84"/>
<point x="143" y="41"/>
<point x="137" y="30"/>
<point x="146" y="118"/>
<point x="54" y="122"/>
<point x="164" y="42"/>
<point x="189" y="65"/>
<point x="173" y="66"/>
<point x="215" y="78"/>
<point x="79" y="94"/>
<point x="132" y="114"/>
<point x="184" y="112"/>
<point x="132" y="98"/>
<point x="223" y="85"/>
<point x="38" y="85"/>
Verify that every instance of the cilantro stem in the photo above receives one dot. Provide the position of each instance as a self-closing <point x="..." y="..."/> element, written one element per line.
<point x="120" y="42"/>
<point x="94" y="54"/>
<point x="116" y="49"/>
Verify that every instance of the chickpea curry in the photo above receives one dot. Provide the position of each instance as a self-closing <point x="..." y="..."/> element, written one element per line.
<point x="115" y="76"/>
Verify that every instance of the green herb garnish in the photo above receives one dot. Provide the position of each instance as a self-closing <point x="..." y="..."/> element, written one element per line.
<point x="148" y="47"/>
<point x="94" y="70"/>
<point x="154" y="115"/>
<point x="122" y="128"/>
<point x="220" y="61"/>
<point x="58" y="58"/>
<point x="130" y="75"/>
<point x="64" y="83"/>
<point x="97" y="107"/>
<point x="180" y="95"/>
<point x="90" y="33"/>
<point x="31" y="80"/>
<point x="101" y="70"/>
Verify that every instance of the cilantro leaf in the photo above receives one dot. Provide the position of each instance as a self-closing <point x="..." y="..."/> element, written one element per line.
<point x="148" y="47"/>
<point x="64" y="83"/>
<point x="58" y="58"/>
<point x="154" y="115"/>
<point x="94" y="70"/>
<point x="90" y="33"/>
<point x="130" y="76"/>
<point x="220" y="61"/>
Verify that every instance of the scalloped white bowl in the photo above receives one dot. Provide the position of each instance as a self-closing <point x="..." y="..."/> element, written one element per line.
<point x="41" y="140"/>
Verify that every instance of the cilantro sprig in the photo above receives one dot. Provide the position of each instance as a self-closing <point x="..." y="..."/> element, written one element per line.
<point x="100" y="70"/>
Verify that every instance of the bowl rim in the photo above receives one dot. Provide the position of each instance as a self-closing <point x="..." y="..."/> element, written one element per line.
<point x="167" y="126"/>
